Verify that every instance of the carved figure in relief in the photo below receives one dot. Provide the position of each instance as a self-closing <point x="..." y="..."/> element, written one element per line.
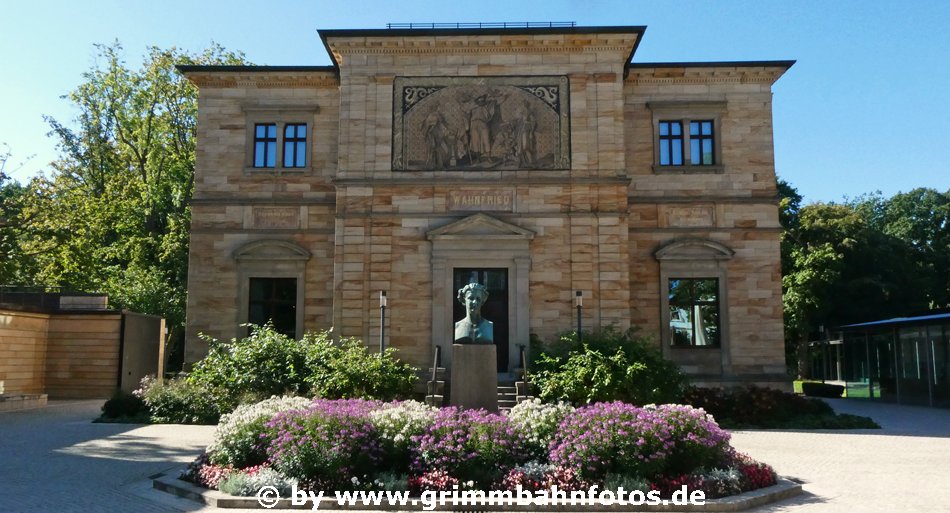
<point x="484" y="120"/>
<point x="527" y="135"/>
<point x="480" y="123"/>
<point x="474" y="329"/>
<point x="439" y="144"/>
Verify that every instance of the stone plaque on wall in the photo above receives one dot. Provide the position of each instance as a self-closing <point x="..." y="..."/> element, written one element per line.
<point x="481" y="201"/>
<point x="481" y="123"/>
<point x="690" y="217"/>
<point x="287" y="218"/>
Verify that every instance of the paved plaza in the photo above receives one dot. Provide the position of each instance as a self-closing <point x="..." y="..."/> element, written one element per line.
<point x="55" y="460"/>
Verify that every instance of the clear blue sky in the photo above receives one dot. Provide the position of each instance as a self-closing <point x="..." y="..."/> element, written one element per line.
<point x="866" y="108"/>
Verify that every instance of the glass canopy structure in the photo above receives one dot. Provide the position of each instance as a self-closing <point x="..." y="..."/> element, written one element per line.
<point x="904" y="360"/>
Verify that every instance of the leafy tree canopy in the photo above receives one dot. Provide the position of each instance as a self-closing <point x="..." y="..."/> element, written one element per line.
<point x="113" y="215"/>
<point x="865" y="259"/>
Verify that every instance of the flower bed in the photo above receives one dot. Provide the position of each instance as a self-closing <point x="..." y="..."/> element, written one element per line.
<point x="371" y="445"/>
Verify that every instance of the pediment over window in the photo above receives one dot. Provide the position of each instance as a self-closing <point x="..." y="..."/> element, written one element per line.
<point x="694" y="249"/>
<point x="480" y="226"/>
<point x="269" y="249"/>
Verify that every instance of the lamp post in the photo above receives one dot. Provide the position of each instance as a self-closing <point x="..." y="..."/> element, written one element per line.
<point x="382" y="321"/>
<point x="579" y="303"/>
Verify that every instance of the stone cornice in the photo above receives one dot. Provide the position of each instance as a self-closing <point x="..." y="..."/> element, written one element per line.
<point x="654" y="200"/>
<point x="705" y="75"/>
<point x="264" y="80"/>
<point x="619" y="43"/>
<point x="238" y="200"/>
<point x="443" y="180"/>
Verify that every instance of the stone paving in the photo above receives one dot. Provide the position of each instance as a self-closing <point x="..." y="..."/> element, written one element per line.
<point x="903" y="467"/>
<point x="55" y="460"/>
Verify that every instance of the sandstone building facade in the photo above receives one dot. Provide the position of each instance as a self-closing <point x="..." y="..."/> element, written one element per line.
<point x="541" y="162"/>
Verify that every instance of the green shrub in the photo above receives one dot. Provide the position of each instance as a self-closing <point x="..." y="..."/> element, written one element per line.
<point x="722" y="482"/>
<point x="833" y="421"/>
<point x="235" y="484"/>
<point x="248" y="484"/>
<point x="178" y="401"/>
<point x="609" y="366"/>
<point x="391" y="481"/>
<point x="263" y="364"/>
<point x="758" y="407"/>
<point x="628" y="483"/>
<point x="753" y="405"/>
<point x="822" y="390"/>
<point x="123" y="405"/>
<point x="267" y="363"/>
<point x="350" y="371"/>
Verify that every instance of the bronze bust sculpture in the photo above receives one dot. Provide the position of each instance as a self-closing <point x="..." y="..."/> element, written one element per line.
<point x="473" y="329"/>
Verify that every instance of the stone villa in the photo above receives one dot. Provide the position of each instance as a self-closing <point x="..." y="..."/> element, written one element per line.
<point x="541" y="162"/>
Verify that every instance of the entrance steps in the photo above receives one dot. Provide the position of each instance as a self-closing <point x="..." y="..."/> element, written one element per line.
<point x="435" y="389"/>
<point x="507" y="396"/>
<point x="510" y="392"/>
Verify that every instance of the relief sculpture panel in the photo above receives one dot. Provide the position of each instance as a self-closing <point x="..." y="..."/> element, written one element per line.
<point x="481" y="123"/>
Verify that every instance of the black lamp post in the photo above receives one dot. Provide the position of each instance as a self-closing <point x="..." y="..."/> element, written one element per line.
<point x="579" y="303"/>
<point x="382" y="321"/>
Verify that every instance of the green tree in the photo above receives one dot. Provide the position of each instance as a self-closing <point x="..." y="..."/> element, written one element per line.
<point x="14" y="268"/>
<point x="840" y="266"/>
<point x="813" y="266"/>
<point x="921" y="219"/>
<point x="113" y="215"/>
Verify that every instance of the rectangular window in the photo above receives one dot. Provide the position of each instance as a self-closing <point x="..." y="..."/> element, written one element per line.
<point x="694" y="311"/>
<point x="295" y="145"/>
<point x="273" y="300"/>
<point x="701" y="143"/>
<point x="265" y="145"/>
<point x="671" y="143"/>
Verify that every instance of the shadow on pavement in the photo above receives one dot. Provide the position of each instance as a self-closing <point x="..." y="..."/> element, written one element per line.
<point x="57" y="459"/>
<point x="790" y="504"/>
<point x="894" y="419"/>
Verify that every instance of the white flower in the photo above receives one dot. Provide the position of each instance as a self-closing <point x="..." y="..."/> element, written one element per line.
<point x="538" y="421"/>
<point x="354" y="480"/>
<point x="399" y="421"/>
<point x="233" y="439"/>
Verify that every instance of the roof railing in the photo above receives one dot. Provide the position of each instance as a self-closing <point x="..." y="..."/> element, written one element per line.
<point x="482" y="25"/>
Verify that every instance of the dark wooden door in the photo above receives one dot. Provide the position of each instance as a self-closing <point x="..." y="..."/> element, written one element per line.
<point x="495" y="309"/>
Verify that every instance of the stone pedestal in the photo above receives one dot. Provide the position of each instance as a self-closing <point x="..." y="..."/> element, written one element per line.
<point x="474" y="376"/>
